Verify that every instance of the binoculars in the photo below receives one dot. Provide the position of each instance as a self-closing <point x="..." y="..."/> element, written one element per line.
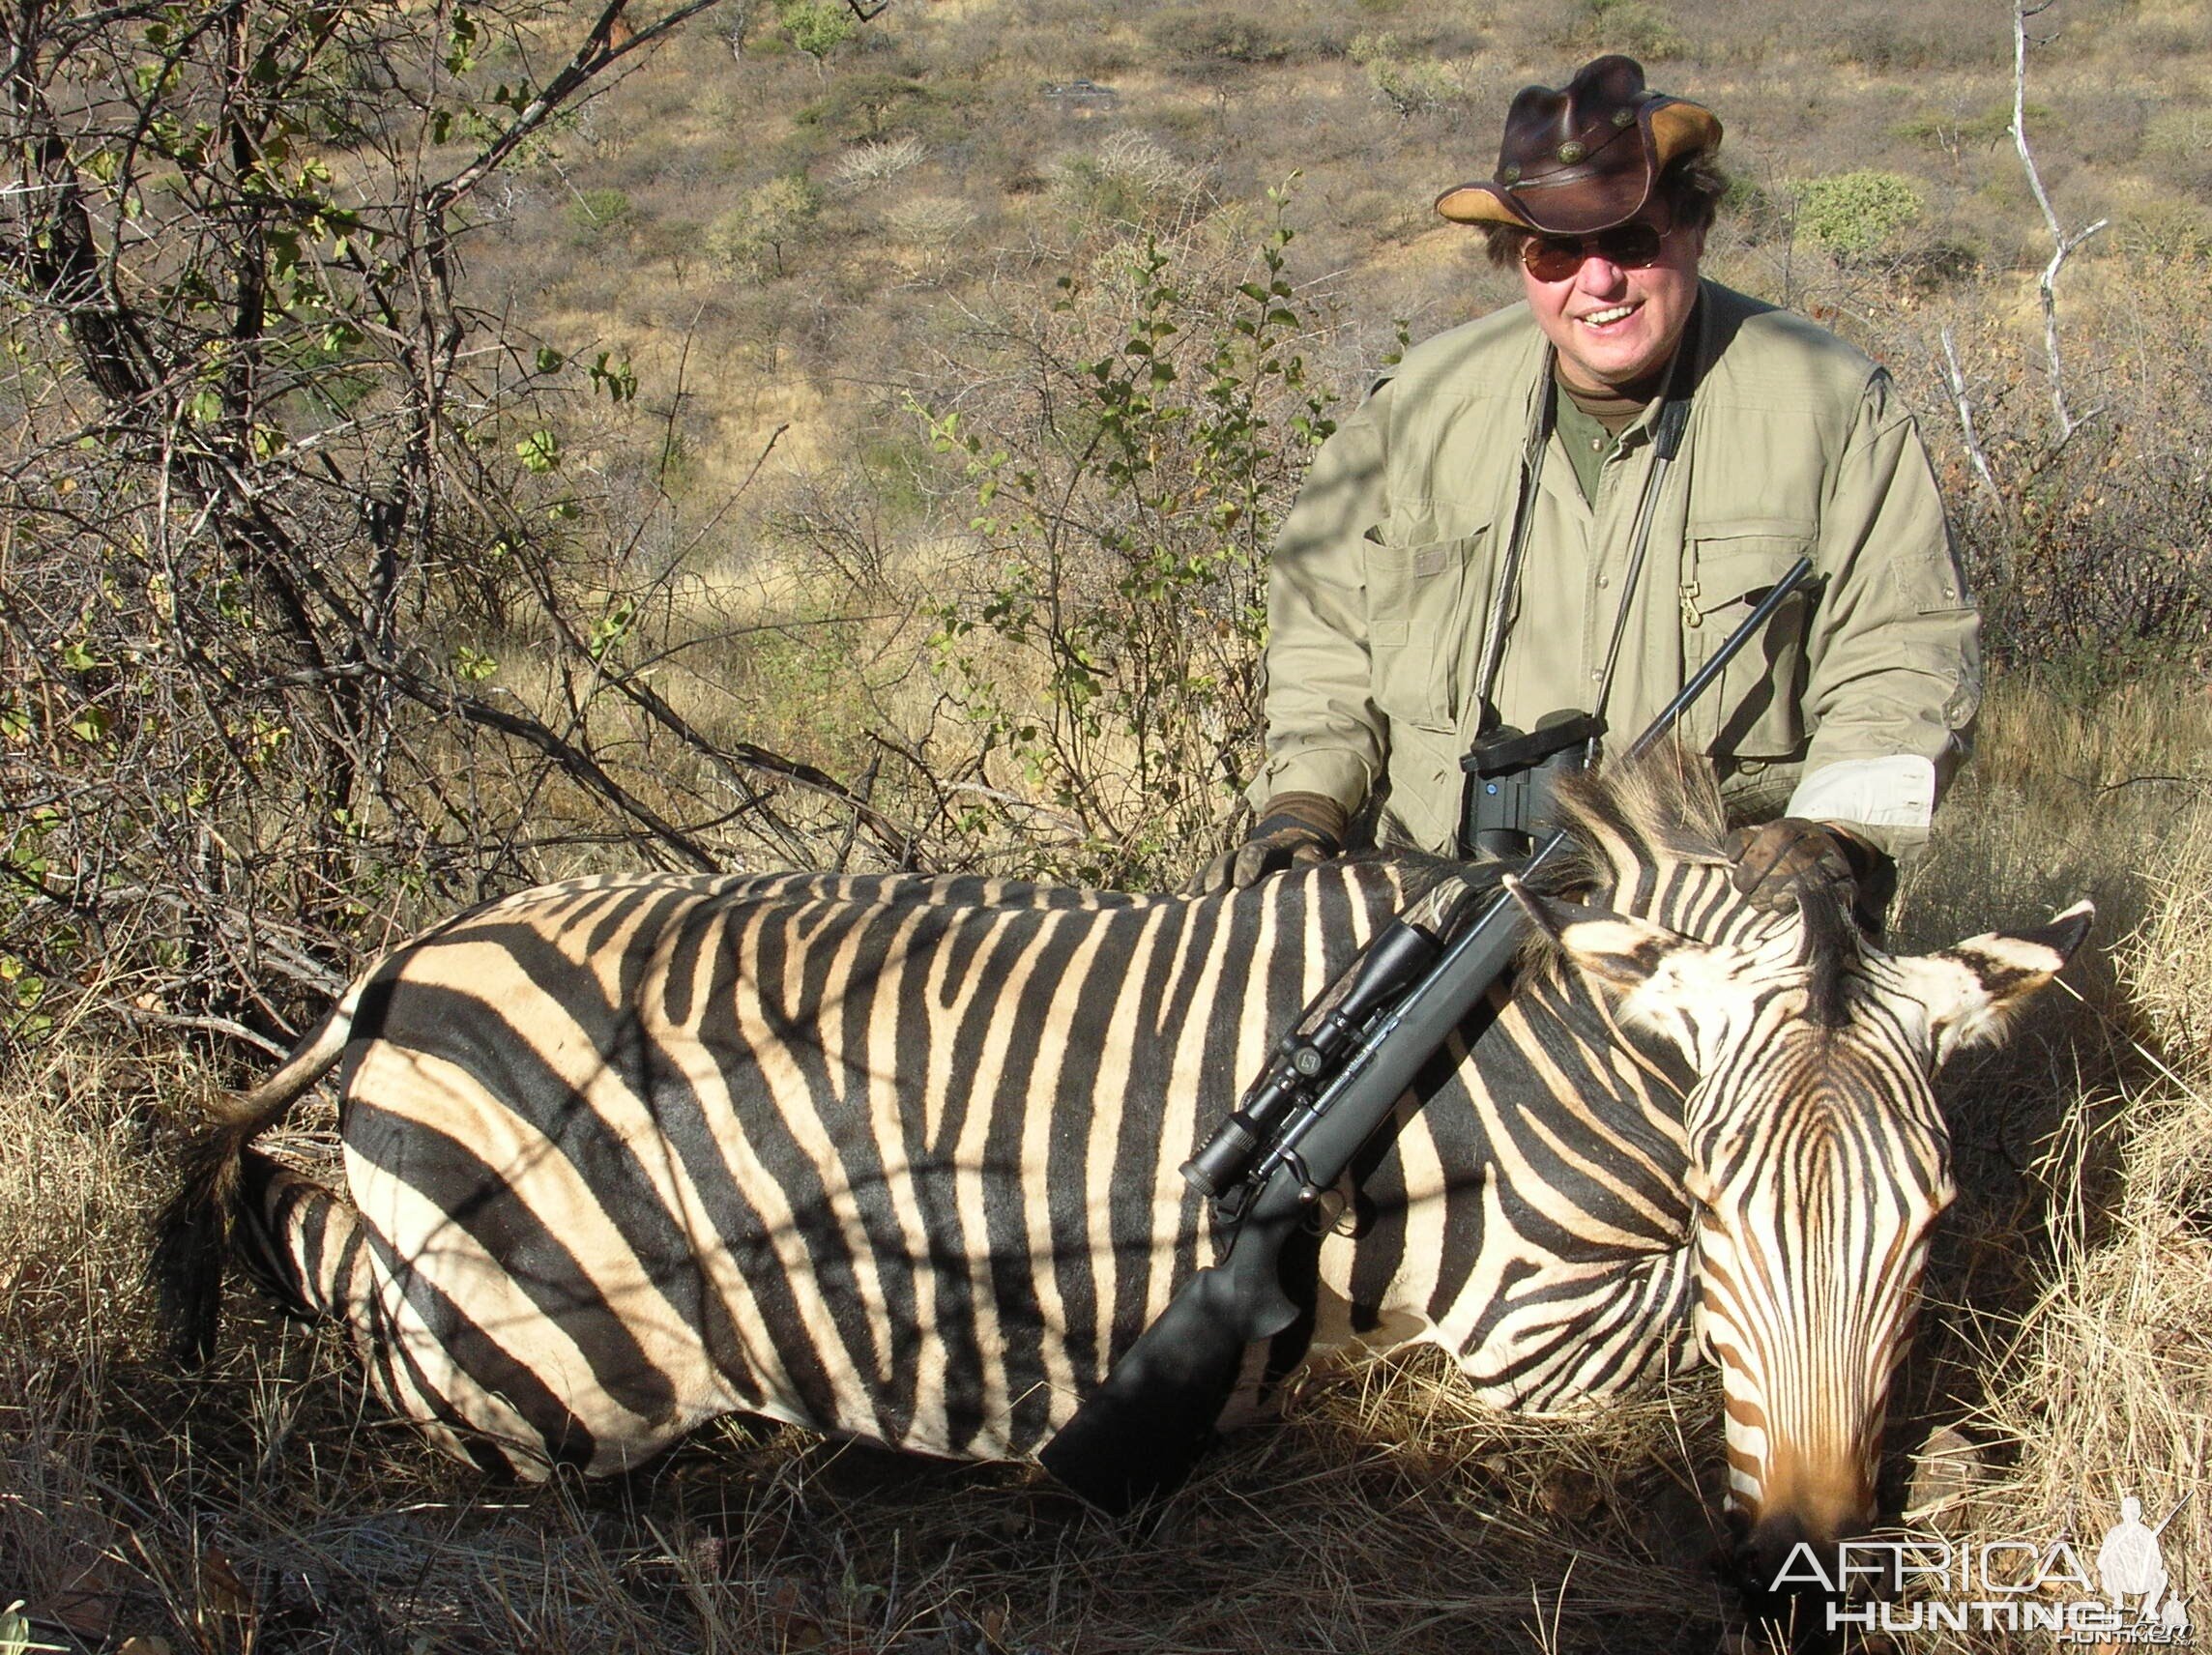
<point x="1511" y="777"/>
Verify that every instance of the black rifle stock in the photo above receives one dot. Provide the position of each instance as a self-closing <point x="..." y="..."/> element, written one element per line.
<point x="1140" y="1432"/>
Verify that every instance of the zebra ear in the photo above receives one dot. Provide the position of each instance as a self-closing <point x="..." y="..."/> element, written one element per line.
<point x="1973" y="990"/>
<point x="1610" y="948"/>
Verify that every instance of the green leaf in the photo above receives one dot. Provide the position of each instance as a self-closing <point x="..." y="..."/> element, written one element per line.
<point x="611" y="630"/>
<point x="540" y="451"/>
<point x="461" y="40"/>
<point x="619" y="380"/>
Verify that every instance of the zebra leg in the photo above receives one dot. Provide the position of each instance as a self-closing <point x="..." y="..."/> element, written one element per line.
<point x="301" y="1241"/>
<point x="308" y="1246"/>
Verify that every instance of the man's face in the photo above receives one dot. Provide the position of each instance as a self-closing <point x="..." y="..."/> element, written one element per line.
<point x="1614" y="326"/>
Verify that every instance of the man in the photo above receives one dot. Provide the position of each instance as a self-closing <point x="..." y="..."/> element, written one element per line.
<point x="1465" y="554"/>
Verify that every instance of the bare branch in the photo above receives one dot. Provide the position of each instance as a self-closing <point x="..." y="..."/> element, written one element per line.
<point x="599" y="49"/>
<point x="1964" y="405"/>
<point x="227" y="1026"/>
<point x="2047" y="288"/>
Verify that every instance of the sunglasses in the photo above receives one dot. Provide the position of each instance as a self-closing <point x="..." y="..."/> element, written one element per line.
<point x="1555" y="258"/>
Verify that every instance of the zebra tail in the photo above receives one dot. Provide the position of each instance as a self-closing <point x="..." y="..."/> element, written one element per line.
<point x="192" y="1234"/>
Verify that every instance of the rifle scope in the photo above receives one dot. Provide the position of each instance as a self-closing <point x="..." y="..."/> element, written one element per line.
<point x="1401" y="954"/>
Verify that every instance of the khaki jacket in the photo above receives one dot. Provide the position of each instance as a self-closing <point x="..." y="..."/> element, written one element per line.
<point x="1855" y="707"/>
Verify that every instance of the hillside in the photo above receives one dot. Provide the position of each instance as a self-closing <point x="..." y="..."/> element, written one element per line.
<point x="944" y="163"/>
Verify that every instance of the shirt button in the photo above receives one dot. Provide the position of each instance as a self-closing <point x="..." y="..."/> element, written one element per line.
<point x="1596" y="444"/>
<point x="1604" y="581"/>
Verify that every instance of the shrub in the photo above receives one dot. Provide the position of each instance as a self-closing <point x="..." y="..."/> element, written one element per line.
<point x="1203" y="40"/>
<point x="775" y="217"/>
<point x="873" y="163"/>
<point x="1129" y="180"/>
<point x="2162" y="227"/>
<point x="1641" y="28"/>
<point x="1937" y="262"/>
<point x="931" y="222"/>
<point x="1854" y="213"/>
<point x="1894" y="41"/>
<point x="597" y="213"/>
<point x="870" y="107"/>
<point x="1414" y="88"/>
<point x="1124" y="532"/>
<point x="2179" y="141"/>
<point x="1367" y="48"/>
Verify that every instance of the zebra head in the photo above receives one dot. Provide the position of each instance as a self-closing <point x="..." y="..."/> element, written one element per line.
<point x="1817" y="1164"/>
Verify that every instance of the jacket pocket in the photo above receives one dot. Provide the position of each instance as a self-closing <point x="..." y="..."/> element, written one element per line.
<point x="1419" y="603"/>
<point x="1755" y="710"/>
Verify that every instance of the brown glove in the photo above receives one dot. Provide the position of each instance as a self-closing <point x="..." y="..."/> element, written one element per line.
<point x="1774" y="863"/>
<point x="1295" y="830"/>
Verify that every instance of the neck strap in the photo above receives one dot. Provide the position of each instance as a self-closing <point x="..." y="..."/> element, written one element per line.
<point x="1667" y="441"/>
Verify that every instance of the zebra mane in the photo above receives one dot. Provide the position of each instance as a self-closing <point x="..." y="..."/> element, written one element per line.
<point x="1631" y="829"/>
<point x="1629" y="823"/>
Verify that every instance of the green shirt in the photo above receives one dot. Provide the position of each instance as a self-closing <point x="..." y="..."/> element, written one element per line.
<point x="1582" y="437"/>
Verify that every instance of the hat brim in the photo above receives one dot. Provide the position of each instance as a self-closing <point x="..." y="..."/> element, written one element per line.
<point x="1680" y="127"/>
<point x="1480" y="204"/>
<point x="1582" y="208"/>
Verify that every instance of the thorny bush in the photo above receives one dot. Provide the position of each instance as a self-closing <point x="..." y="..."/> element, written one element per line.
<point x="277" y="501"/>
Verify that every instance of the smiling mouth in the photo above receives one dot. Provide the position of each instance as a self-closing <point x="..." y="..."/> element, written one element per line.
<point x="1607" y="317"/>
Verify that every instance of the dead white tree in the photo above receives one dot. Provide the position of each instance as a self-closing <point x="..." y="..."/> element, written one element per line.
<point x="2063" y="245"/>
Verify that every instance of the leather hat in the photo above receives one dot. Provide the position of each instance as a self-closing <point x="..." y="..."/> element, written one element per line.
<point x="1583" y="159"/>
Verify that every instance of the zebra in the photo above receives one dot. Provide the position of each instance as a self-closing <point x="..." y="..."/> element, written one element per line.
<point x="896" y="1157"/>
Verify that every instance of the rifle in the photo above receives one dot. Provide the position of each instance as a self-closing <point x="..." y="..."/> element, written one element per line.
<point x="1329" y="1085"/>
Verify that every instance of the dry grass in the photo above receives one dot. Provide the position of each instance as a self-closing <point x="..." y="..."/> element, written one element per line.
<point x="2108" y="1391"/>
<point x="2065" y="1360"/>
